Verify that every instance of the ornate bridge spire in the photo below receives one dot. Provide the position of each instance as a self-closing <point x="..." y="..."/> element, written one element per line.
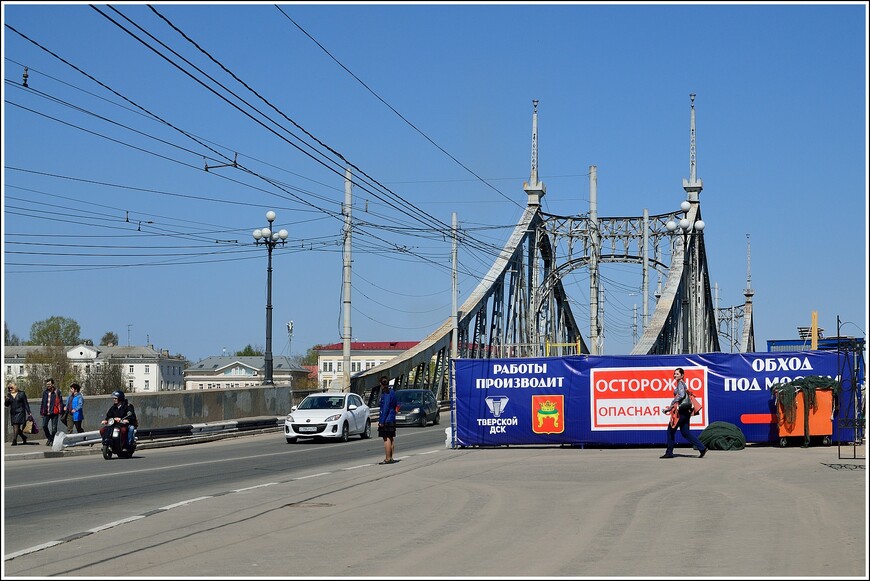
<point x="693" y="185"/>
<point x="748" y="292"/>
<point x="533" y="187"/>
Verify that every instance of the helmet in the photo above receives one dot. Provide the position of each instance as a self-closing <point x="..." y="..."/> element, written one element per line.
<point x="119" y="394"/>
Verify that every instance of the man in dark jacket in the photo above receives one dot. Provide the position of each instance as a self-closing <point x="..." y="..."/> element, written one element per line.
<point x="122" y="411"/>
<point x="50" y="410"/>
<point x="387" y="419"/>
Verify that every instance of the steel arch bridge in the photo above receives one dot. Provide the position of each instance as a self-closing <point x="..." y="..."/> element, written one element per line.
<point x="520" y="307"/>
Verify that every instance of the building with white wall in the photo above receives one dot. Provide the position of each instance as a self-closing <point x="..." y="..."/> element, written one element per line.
<point x="219" y="372"/>
<point x="144" y="369"/>
<point x="363" y="355"/>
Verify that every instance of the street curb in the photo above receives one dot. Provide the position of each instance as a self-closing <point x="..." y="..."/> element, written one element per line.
<point x="92" y="449"/>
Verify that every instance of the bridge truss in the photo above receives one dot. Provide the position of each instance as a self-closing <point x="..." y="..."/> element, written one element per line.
<point x="520" y="307"/>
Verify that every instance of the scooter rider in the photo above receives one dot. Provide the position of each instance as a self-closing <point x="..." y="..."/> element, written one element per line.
<point x="122" y="411"/>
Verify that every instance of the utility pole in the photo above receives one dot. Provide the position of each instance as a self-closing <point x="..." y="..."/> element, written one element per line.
<point x="454" y="344"/>
<point x="346" y="335"/>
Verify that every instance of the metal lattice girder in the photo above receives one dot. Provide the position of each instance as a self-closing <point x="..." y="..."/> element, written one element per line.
<point x="664" y="333"/>
<point x="507" y="315"/>
<point x="521" y="305"/>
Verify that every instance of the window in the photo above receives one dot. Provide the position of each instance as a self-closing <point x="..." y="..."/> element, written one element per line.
<point x="327" y="367"/>
<point x="130" y="384"/>
<point x="354" y="365"/>
<point x="147" y="369"/>
<point x="131" y="369"/>
<point x="8" y="370"/>
<point x="338" y="366"/>
<point x="20" y="370"/>
<point x="146" y="385"/>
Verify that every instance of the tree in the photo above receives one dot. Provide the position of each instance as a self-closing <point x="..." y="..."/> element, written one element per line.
<point x="55" y="331"/>
<point x="9" y="338"/>
<point x="103" y="378"/>
<point x="249" y="351"/>
<point x="109" y="338"/>
<point x="310" y="356"/>
<point x="49" y="361"/>
<point x="309" y="359"/>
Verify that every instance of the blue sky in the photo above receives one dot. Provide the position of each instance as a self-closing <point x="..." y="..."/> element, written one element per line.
<point x="110" y="219"/>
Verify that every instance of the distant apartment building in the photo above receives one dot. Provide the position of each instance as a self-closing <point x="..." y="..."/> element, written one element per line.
<point x="226" y="371"/>
<point x="144" y="369"/>
<point x="363" y="355"/>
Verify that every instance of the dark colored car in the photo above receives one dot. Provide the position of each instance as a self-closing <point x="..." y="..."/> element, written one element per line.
<point x="417" y="407"/>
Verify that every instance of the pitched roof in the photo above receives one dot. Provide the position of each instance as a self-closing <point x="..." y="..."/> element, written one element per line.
<point x="279" y="363"/>
<point x="370" y="346"/>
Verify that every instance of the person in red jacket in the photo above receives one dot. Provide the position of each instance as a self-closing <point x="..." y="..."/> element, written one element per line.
<point x="50" y="410"/>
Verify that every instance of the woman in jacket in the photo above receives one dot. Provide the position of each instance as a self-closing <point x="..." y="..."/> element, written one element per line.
<point x="19" y="409"/>
<point x="682" y="416"/>
<point x="75" y="404"/>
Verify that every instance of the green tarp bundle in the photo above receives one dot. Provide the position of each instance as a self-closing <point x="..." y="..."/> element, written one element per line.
<point x="723" y="436"/>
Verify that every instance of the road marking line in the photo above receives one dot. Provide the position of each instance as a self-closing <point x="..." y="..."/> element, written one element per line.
<point x="253" y="487"/>
<point x="312" y="475"/>
<point x="116" y="523"/>
<point x="183" y="502"/>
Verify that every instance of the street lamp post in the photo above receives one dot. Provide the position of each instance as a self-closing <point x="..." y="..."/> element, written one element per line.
<point x="270" y="239"/>
<point x="686" y="229"/>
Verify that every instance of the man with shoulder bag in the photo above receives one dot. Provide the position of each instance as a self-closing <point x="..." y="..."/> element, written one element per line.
<point x="50" y="409"/>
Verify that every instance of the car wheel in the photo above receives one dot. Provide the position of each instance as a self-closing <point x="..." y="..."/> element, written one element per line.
<point x="367" y="432"/>
<point x="290" y="440"/>
<point x="437" y="417"/>
<point x="423" y="420"/>
<point x="345" y="432"/>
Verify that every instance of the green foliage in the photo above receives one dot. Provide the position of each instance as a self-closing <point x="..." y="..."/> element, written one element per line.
<point x="310" y="357"/>
<point x="50" y="361"/>
<point x="249" y="351"/>
<point x="109" y="338"/>
<point x="103" y="379"/>
<point x="9" y="338"/>
<point x="55" y="332"/>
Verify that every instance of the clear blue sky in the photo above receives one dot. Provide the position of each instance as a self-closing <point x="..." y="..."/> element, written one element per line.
<point x="110" y="219"/>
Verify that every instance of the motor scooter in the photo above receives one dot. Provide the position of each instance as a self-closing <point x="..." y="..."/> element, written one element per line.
<point x="114" y="436"/>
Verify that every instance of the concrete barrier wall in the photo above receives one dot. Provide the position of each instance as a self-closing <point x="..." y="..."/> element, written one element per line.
<point x="166" y="409"/>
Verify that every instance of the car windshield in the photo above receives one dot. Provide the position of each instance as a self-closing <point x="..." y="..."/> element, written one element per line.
<point x="322" y="403"/>
<point x="409" y="397"/>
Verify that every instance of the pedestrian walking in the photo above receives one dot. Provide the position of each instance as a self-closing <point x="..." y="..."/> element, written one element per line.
<point x="50" y="410"/>
<point x="387" y="419"/>
<point x="75" y="403"/>
<point x="19" y="409"/>
<point x="681" y="415"/>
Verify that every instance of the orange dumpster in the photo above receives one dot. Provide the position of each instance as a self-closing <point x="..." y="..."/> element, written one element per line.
<point x="818" y="422"/>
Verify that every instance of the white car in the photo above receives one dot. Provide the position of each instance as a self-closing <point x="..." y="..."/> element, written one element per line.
<point x="328" y="415"/>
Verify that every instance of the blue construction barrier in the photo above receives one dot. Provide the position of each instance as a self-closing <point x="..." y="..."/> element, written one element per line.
<point x="618" y="400"/>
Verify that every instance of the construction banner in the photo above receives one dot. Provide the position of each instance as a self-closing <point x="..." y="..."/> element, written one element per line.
<point x="587" y="399"/>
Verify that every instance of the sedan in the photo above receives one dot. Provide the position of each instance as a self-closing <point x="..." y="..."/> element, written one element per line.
<point x="417" y="407"/>
<point x="328" y="415"/>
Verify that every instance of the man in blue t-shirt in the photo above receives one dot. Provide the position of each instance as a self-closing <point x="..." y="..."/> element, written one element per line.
<point x="387" y="419"/>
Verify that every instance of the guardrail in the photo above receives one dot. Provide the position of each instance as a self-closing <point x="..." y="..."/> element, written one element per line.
<point x="67" y="440"/>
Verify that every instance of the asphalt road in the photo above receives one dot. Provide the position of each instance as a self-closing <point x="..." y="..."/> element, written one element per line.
<point x="331" y="511"/>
